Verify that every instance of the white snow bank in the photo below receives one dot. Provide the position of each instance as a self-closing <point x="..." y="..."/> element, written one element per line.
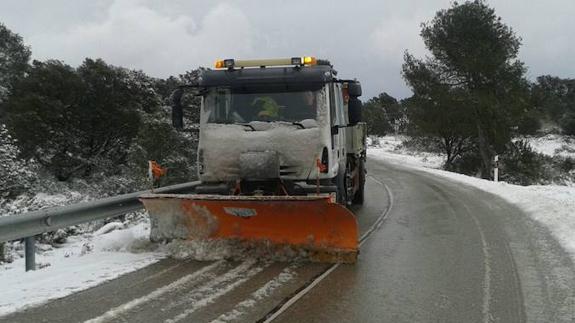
<point x="109" y="227"/>
<point x="27" y="203"/>
<point x="88" y="260"/>
<point x="389" y="148"/>
<point x="553" y="145"/>
<point x="552" y="206"/>
<point x="81" y="263"/>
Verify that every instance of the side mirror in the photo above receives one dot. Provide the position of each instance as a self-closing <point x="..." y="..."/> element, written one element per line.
<point x="177" y="109"/>
<point x="354" y="89"/>
<point x="354" y="110"/>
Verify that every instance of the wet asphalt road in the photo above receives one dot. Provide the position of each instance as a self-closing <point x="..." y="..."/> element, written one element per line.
<point x="445" y="253"/>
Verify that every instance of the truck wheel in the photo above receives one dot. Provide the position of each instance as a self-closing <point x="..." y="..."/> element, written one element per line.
<point x="348" y="184"/>
<point x="359" y="195"/>
<point x="341" y="189"/>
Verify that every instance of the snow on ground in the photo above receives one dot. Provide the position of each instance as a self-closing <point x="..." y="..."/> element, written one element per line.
<point x="550" y="205"/>
<point x="90" y="259"/>
<point x="553" y="145"/>
<point x="87" y="260"/>
<point x="82" y="262"/>
<point x="389" y="148"/>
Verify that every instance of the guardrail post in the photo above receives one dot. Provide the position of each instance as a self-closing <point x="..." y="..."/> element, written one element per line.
<point x="30" y="253"/>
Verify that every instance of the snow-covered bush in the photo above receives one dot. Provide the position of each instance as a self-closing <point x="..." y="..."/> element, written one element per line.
<point x="158" y="140"/>
<point x="422" y="144"/>
<point x="521" y="164"/>
<point x="468" y="163"/>
<point x="77" y="122"/>
<point x="16" y="176"/>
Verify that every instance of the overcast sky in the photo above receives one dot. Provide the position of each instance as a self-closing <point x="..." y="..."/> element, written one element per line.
<point x="363" y="39"/>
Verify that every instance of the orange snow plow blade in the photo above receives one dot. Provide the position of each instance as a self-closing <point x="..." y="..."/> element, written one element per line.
<point x="324" y="229"/>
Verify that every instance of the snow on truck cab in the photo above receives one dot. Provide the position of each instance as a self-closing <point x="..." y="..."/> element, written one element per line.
<point x="276" y="123"/>
<point x="281" y="142"/>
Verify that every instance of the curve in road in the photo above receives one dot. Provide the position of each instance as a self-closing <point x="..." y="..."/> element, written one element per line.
<point x="446" y="253"/>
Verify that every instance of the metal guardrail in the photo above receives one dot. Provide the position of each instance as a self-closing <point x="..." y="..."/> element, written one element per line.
<point x="28" y="225"/>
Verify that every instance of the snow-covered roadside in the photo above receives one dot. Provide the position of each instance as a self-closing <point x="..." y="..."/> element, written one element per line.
<point x="553" y="206"/>
<point x="389" y="147"/>
<point x="553" y="145"/>
<point x="82" y="262"/>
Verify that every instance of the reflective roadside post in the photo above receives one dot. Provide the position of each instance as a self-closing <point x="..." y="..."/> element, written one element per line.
<point x="496" y="168"/>
<point x="30" y="253"/>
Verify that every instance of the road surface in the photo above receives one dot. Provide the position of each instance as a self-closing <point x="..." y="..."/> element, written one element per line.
<point x="444" y="252"/>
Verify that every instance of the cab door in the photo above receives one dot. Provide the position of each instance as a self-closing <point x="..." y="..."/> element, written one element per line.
<point x="338" y="124"/>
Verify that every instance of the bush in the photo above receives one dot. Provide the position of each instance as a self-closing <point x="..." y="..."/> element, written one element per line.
<point x="16" y="176"/>
<point x="174" y="150"/>
<point x="568" y="125"/>
<point x="529" y="124"/>
<point x="423" y="144"/>
<point x="560" y="170"/>
<point x="522" y="165"/>
<point x="469" y="163"/>
<point x="79" y="121"/>
<point x="567" y="165"/>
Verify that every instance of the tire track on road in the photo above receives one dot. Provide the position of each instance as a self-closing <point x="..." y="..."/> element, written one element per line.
<point x="178" y="284"/>
<point x="211" y="291"/>
<point x="302" y="291"/>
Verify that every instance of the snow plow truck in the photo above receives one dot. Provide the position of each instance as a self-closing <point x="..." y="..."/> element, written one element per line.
<point x="281" y="158"/>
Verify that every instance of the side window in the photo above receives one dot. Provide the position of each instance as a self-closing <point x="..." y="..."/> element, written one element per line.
<point x="332" y="105"/>
<point x="340" y="106"/>
<point x="341" y="115"/>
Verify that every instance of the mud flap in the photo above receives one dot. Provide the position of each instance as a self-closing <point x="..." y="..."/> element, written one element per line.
<point x="326" y="230"/>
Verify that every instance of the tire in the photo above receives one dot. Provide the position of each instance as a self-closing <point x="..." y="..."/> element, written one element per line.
<point x="341" y="196"/>
<point x="359" y="195"/>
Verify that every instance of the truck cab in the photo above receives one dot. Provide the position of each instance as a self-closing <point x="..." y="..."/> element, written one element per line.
<point x="279" y="127"/>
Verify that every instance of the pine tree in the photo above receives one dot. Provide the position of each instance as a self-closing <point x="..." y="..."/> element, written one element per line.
<point x="382" y="113"/>
<point x="474" y="61"/>
<point x="14" y="57"/>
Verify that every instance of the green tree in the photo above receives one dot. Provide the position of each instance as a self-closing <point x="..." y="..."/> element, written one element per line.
<point x="555" y="99"/>
<point x="442" y="116"/>
<point x="474" y="55"/>
<point x="14" y="58"/>
<point x="381" y="113"/>
<point x="165" y="87"/>
<point x="42" y="114"/>
<point x="158" y="140"/>
<point x="76" y="122"/>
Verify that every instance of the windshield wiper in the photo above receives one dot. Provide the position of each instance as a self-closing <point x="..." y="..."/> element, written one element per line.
<point x="299" y="124"/>
<point x="247" y="125"/>
<point x="295" y="123"/>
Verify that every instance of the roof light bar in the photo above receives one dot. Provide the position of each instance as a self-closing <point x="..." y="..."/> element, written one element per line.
<point x="298" y="61"/>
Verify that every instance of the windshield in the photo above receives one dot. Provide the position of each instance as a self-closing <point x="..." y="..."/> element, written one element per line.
<point x="226" y="106"/>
